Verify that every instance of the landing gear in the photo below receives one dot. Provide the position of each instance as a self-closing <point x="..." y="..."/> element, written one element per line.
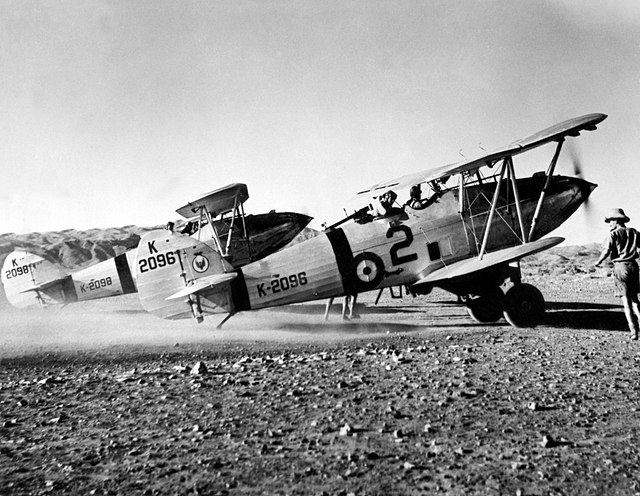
<point x="499" y="292"/>
<point x="488" y="307"/>
<point x="524" y="306"/>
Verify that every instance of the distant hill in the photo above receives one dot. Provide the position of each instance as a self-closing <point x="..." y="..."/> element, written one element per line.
<point x="78" y="249"/>
<point x="568" y="260"/>
<point x="75" y="249"/>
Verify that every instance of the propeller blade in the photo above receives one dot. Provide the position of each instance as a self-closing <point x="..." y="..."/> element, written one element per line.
<point x="576" y="160"/>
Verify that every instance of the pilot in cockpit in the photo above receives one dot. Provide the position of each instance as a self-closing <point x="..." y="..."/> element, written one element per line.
<point x="415" y="198"/>
<point x="190" y="228"/>
<point x="416" y="201"/>
<point x="384" y="206"/>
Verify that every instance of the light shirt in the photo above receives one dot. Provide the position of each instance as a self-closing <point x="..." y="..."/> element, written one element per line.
<point x="622" y="244"/>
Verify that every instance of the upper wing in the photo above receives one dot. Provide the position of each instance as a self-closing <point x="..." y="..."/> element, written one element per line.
<point x="571" y="127"/>
<point x="506" y="255"/>
<point x="217" y="202"/>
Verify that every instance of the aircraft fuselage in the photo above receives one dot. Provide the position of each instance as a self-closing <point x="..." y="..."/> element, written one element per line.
<point x="400" y="249"/>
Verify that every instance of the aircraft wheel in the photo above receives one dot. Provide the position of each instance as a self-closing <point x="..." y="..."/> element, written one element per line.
<point x="524" y="306"/>
<point x="488" y="307"/>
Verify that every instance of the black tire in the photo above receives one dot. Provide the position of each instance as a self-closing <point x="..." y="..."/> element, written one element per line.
<point x="488" y="307"/>
<point x="524" y="306"/>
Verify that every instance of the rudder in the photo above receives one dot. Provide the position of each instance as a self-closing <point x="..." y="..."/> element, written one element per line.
<point x="30" y="280"/>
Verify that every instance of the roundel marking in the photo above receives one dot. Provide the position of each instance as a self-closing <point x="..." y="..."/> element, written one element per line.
<point x="368" y="270"/>
<point x="200" y="263"/>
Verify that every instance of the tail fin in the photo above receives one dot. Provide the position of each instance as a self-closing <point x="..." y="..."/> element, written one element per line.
<point x="30" y="280"/>
<point x="179" y="277"/>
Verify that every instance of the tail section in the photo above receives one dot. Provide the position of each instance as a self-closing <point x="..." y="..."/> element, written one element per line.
<point x="30" y="280"/>
<point x="179" y="277"/>
<point x="112" y="277"/>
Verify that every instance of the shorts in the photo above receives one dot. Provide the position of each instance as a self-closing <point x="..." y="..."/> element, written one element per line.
<point x="625" y="278"/>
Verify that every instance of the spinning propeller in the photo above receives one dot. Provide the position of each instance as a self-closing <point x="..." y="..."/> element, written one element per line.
<point x="576" y="162"/>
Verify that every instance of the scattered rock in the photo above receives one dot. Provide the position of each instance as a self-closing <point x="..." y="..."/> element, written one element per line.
<point x="199" y="369"/>
<point x="345" y="430"/>
<point x="548" y="442"/>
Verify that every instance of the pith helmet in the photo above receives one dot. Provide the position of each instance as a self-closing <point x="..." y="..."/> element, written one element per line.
<point x="616" y="213"/>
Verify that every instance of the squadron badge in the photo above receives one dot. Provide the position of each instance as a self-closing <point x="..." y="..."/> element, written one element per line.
<point x="200" y="263"/>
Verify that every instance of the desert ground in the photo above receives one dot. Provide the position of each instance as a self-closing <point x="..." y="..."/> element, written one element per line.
<point x="412" y="398"/>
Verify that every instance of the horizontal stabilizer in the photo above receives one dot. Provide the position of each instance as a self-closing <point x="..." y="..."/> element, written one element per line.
<point x="506" y="255"/>
<point x="46" y="285"/>
<point x="204" y="284"/>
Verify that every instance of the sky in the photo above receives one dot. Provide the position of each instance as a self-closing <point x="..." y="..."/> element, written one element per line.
<point x="119" y="112"/>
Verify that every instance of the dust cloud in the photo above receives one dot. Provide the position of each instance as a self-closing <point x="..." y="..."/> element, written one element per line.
<point x="121" y="322"/>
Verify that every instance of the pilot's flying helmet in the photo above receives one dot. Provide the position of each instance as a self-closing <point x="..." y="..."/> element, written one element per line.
<point x="415" y="191"/>
<point x="389" y="196"/>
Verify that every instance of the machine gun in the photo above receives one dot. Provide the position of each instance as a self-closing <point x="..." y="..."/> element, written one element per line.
<point x="361" y="216"/>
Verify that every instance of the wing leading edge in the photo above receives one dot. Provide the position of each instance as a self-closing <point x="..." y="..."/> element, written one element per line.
<point x="506" y="255"/>
<point x="570" y="127"/>
<point x="203" y="285"/>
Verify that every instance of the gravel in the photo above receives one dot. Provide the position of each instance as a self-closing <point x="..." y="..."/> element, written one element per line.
<point x="413" y="398"/>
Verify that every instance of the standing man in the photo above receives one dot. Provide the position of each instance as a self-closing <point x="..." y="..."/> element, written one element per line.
<point x="622" y="246"/>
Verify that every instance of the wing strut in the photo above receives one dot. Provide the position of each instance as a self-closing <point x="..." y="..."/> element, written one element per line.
<point x="230" y="232"/>
<point x="543" y="193"/>
<point x="244" y="229"/>
<point x="236" y="211"/>
<point x="39" y="296"/>
<point x="494" y="203"/>
<point x="204" y="212"/>
<point x="516" y="197"/>
<point x="194" y="303"/>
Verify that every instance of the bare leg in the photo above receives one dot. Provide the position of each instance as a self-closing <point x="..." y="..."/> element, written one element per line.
<point x="328" y="309"/>
<point x="636" y="311"/>
<point x="353" y="314"/>
<point x="631" y="312"/>
<point x="345" y="306"/>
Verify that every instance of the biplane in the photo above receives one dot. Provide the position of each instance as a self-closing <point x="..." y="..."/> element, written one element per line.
<point x="217" y="220"/>
<point x="466" y="237"/>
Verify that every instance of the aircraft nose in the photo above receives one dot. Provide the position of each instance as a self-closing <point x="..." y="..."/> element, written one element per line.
<point x="586" y="188"/>
<point x="301" y="220"/>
